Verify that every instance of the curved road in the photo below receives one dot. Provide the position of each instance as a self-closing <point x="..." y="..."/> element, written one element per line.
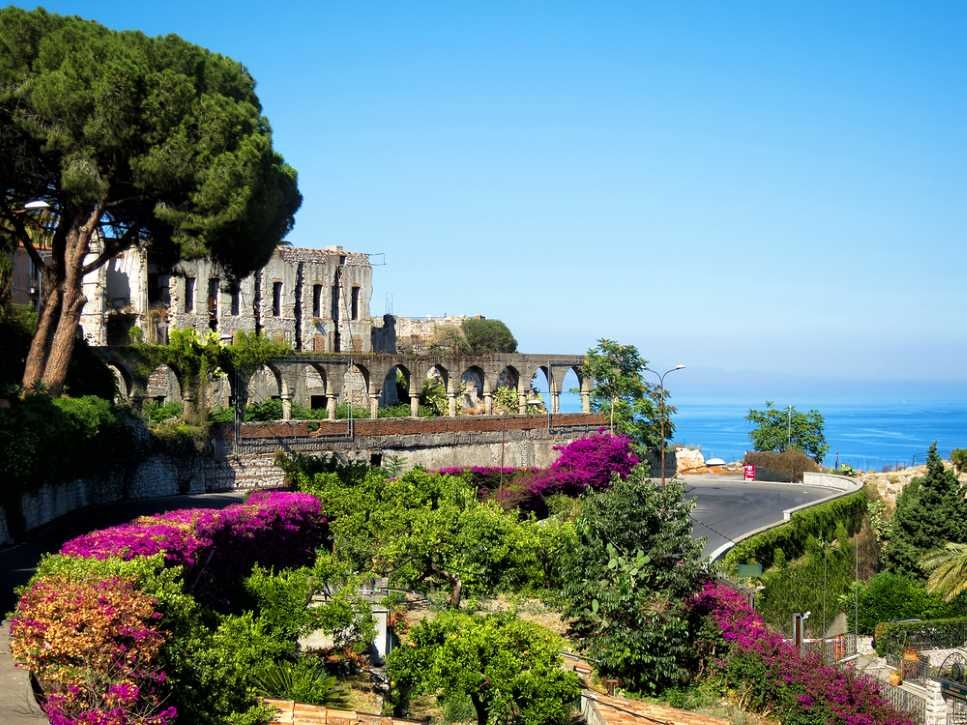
<point x="729" y="507"/>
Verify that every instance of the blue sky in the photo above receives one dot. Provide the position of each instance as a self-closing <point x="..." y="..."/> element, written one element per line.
<point x="773" y="193"/>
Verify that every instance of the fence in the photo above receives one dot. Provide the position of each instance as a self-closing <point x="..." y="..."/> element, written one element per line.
<point x="907" y="702"/>
<point x="833" y="649"/>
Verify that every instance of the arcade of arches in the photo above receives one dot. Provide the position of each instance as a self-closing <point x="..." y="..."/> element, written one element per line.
<point x="375" y="379"/>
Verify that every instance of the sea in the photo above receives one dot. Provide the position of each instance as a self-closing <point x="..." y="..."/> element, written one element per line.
<point x="868" y="436"/>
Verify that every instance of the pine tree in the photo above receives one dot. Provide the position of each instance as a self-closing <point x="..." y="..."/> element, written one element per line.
<point x="930" y="512"/>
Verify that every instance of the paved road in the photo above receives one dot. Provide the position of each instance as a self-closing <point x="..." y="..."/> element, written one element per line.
<point x="727" y="508"/>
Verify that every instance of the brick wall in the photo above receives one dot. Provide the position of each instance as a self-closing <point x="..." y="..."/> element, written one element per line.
<point x="420" y="426"/>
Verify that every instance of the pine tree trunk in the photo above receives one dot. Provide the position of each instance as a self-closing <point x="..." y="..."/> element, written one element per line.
<point x="72" y="305"/>
<point x="40" y="344"/>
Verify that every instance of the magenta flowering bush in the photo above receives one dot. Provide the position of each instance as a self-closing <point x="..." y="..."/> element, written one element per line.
<point x="217" y="547"/>
<point x="773" y="676"/>
<point x="588" y="462"/>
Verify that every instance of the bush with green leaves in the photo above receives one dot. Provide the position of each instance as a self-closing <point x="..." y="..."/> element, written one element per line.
<point x="888" y="597"/>
<point x="88" y="435"/>
<point x="424" y="530"/>
<point x="784" y="466"/>
<point x="893" y="637"/>
<point x="509" y="669"/>
<point x="160" y="411"/>
<point x="628" y="578"/>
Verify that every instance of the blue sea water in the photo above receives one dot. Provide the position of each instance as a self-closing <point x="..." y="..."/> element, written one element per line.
<point x="868" y="436"/>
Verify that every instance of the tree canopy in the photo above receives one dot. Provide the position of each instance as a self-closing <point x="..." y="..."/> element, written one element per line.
<point x="628" y="578"/>
<point x="509" y="669"/>
<point x="483" y="335"/>
<point x="130" y="140"/>
<point x="930" y="512"/>
<point x="780" y="428"/>
<point x="621" y="392"/>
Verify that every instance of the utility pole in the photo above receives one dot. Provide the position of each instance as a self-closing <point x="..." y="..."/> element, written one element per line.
<point x="788" y="427"/>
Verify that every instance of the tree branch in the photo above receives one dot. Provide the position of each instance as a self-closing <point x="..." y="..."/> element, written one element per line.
<point x="112" y="249"/>
<point x="20" y="231"/>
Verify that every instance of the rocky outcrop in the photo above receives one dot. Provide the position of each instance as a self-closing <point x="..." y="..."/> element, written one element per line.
<point x="689" y="460"/>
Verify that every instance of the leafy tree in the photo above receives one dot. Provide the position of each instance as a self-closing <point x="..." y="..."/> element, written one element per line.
<point x="930" y="511"/>
<point x="509" y="669"/>
<point x="778" y="429"/>
<point x="131" y="141"/>
<point x="426" y="530"/>
<point x="628" y="579"/>
<point x="620" y="391"/>
<point x="483" y="336"/>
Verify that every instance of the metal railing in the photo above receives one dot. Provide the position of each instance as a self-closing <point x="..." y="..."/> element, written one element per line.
<point x="906" y="702"/>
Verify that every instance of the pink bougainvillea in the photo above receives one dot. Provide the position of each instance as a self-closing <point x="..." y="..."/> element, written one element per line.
<point x="588" y="462"/>
<point x="94" y="645"/>
<point x="217" y="546"/>
<point x="794" y="687"/>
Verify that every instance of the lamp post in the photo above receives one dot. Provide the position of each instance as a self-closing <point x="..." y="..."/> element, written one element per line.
<point x="661" y="414"/>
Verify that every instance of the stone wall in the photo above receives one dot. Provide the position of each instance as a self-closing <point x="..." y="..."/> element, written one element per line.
<point x="440" y="443"/>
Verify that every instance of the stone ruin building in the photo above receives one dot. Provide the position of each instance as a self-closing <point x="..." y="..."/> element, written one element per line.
<point x="316" y="300"/>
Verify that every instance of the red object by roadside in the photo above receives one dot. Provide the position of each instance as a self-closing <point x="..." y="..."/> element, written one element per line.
<point x="748" y="472"/>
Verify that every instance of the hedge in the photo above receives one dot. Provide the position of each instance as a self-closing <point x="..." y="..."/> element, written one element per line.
<point x="817" y="521"/>
<point x="892" y="637"/>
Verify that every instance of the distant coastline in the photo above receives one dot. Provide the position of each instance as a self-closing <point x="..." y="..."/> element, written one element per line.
<point x="868" y="436"/>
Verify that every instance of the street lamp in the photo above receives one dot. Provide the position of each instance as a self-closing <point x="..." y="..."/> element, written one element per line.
<point x="661" y="403"/>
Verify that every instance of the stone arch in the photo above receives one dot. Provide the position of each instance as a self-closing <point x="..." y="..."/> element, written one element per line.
<point x="509" y="377"/>
<point x="122" y="381"/>
<point x="313" y="387"/>
<point x="355" y="384"/>
<point x="540" y="384"/>
<point x="397" y="386"/>
<point x="569" y="386"/>
<point x="266" y="383"/>
<point x="163" y="385"/>
<point x="438" y="371"/>
<point x="473" y="384"/>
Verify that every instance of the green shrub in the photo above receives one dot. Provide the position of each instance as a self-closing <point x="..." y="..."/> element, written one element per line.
<point x="180" y="439"/>
<point x="358" y="411"/>
<point x="888" y="597"/>
<point x="45" y="439"/>
<point x="788" y="465"/>
<point x="892" y="637"/>
<point x="159" y="411"/>
<point x="305" y="680"/>
<point x="818" y="521"/>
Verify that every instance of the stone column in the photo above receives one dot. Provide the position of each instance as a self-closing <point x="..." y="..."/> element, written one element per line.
<point x="521" y="400"/>
<point x="286" y="407"/>
<point x="189" y="403"/>
<point x="374" y="405"/>
<point x="414" y="406"/>
<point x="586" y="402"/>
<point x="555" y="401"/>
<point x="488" y="402"/>
<point x="451" y="404"/>
<point x="330" y="403"/>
